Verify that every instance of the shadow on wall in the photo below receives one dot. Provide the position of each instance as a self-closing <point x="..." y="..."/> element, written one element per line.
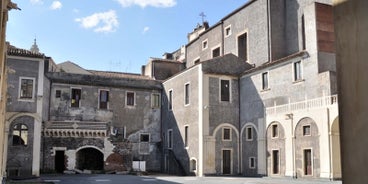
<point x="175" y="158"/>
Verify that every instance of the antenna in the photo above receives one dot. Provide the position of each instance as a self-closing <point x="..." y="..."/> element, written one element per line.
<point x="203" y="16"/>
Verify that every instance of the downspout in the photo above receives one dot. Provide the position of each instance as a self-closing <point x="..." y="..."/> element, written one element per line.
<point x="269" y="30"/>
<point x="240" y="155"/>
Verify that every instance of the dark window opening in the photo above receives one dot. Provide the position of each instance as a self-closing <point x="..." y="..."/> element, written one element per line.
<point x="225" y="90"/>
<point x="307" y="162"/>
<point x="275" y="162"/>
<point x="226" y="134"/>
<point x="26" y="89"/>
<point x="275" y="131"/>
<point x="297" y="71"/>
<point x="243" y="47"/>
<point x="186" y="129"/>
<point x="216" y="52"/>
<point x="20" y="135"/>
<point x="144" y="138"/>
<point x="187" y="92"/>
<point x="170" y="99"/>
<point x="76" y="96"/>
<point x="197" y="61"/>
<point x="306" y="130"/>
<point x="249" y="133"/>
<point x="265" y="80"/>
<point x="57" y="93"/>
<point x="130" y="98"/>
<point x="104" y="99"/>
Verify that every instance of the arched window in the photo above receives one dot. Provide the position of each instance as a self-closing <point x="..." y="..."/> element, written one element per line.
<point x="20" y="135"/>
<point x="193" y="165"/>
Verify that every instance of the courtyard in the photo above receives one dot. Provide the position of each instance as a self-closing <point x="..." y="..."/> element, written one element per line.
<point x="165" y="179"/>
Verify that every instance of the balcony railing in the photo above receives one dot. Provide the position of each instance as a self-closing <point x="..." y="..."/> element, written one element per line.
<point x="302" y="105"/>
<point x="75" y="129"/>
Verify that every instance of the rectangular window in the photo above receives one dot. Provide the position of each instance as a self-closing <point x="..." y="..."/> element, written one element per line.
<point x="155" y="100"/>
<point x="243" y="47"/>
<point x="170" y="99"/>
<point x="76" y="97"/>
<point x="226" y="134"/>
<point x="275" y="131"/>
<point x="169" y="139"/>
<point x="204" y="44"/>
<point x="186" y="94"/>
<point x="186" y="131"/>
<point x="104" y="99"/>
<point x="130" y="99"/>
<point x="306" y="130"/>
<point x="252" y="162"/>
<point x="249" y="133"/>
<point x="265" y="80"/>
<point x="57" y="93"/>
<point x="225" y="90"/>
<point x="297" y="71"/>
<point x="26" y="88"/>
<point x="145" y="137"/>
<point x="216" y="52"/>
<point x="303" y="33"/>
<point x="227" y="31"/>
<point x="197" y="61"/>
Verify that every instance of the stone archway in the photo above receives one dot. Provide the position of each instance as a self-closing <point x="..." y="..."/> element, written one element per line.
<point x="90" y="159"/>
<point x="307" y="151"/>
<point x="335" y="149"/>
<point x="276" y="162"/>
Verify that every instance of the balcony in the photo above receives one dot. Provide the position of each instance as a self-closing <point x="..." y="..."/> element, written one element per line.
<point x="75" y="129"/>
<point x="302" y="105"/>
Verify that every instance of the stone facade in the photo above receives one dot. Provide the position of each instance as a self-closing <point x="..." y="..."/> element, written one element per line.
<point x="255" y="95"/>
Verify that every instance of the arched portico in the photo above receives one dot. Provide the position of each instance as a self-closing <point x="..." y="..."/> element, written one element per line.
<point x="89" y="158"/>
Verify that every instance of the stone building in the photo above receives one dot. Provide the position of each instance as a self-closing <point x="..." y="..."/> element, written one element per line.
<point x="277" y="116"/>
<point x="255" y="94"/>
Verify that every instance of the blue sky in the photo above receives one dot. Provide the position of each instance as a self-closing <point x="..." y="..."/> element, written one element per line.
<point x="110" y="35"/>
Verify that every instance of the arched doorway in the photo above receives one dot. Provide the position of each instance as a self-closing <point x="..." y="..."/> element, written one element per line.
<point x="335" y="149"/>
<point x="307" y="151"/>
<point x="275" y="149"/>
<point x="89" y="159"/>
<point x="20" y="147"/>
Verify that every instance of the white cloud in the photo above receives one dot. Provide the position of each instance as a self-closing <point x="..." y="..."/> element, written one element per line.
<point x="145" y="29"/>
<point x="144" y="3"/>
<point x="36" y="1"/>
<point x="100" y="22"/>
<point x="56" y="5"/>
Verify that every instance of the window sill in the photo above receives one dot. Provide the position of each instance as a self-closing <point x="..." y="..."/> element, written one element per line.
<point x="248" y="140"/>
<point x="265" y="90"/>
<point x="298" y="81"/>
<point x="26" y="99"/>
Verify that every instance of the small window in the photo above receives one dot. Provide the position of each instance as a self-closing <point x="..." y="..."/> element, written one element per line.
<point x="104" y="99"/>
<point x="169" y="139"/>
<point x="265" y="80"/>
<point x="186" y="131"/>
<point x="26" y="88"/>
<point x="145" y="138"/>
<point x="155" y="101"/>
<point x="252" y="162"/>
<point x="186" y="94"/>
<point x="130" y="99"/>
<point x="306" y="130"/>
<point x="205" y="44"/>
<point x="57" y="93"/>
<point x="249" y="133"/>
<point x="225" y="90"/>
<point x="228" y="31"/>
<point x="216" y="52"/>
<point x="243" y="47"/>
<point x="76" y="97"/>
<point x="197" y="61"/>
<point x="275" y="131"/>
<point x="20" y="135"/>
<point x="226" y="134"/>
<point x="170" y="99"/>
<point x="297" y="71"/>
<point x="193" y="165"/>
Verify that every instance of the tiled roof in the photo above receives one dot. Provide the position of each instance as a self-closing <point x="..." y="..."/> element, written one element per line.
<point x="118" y="74"/>
<point x="14" y="51"/>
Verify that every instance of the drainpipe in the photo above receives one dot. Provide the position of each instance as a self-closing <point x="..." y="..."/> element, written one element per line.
<point x="269" y="30"/>
<point x="240" y="155"/>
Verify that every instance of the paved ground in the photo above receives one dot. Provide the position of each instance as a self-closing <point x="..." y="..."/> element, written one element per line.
<point x="129" y="179"/>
